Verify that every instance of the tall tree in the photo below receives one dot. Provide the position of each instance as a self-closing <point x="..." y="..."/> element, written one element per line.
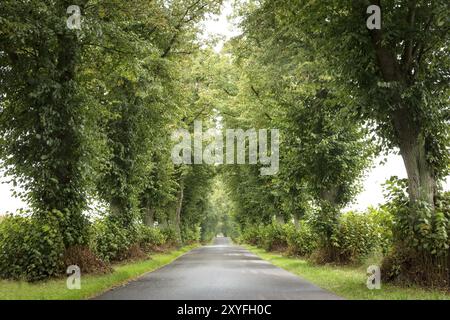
<point x="44" y="117"/>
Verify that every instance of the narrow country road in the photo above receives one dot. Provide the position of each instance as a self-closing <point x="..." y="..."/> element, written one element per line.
<point x="219" y="271"/>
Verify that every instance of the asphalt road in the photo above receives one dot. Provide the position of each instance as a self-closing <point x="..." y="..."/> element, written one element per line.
<point x="219" y="271"/>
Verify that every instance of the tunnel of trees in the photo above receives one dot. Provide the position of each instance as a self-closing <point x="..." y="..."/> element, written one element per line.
<point x="87" y="114"/>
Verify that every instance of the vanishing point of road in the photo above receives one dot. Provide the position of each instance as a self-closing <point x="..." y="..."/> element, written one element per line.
<point x="220" y="271"/>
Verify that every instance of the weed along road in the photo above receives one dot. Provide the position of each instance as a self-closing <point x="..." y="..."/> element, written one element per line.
<point x="219" y="271"/>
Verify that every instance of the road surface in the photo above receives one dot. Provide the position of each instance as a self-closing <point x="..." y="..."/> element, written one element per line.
<point x="218" y="271"/>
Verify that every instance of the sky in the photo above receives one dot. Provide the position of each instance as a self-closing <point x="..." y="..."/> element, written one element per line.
<point x="372" y="193"/>
<point x="221" y="25"/>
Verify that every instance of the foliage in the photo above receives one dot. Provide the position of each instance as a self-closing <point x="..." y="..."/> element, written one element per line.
<point x="382" y="221"/>
<point x="421" y="243"/>
<point x="355" y="237"/>
<point x="252" y="235"/>
<point x="284" y="87"/>
<point x="110" y="240"/>
<point x="417" y="224"/>
<point x="191" y="235"/>
<point x="302" y="241"/>
<point x="325" y="223"/>
<point x="45" y="119"/>
<point x="88" y="114"/>
<point x="274" y="237"/>
<point x="196" y="205"/>
<point x="30" y="249"/>
<point x="172" y="236"/>
<point x="150" y="238"/>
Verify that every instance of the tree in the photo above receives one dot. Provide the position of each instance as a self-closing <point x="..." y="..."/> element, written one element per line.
<point x="45" y="110"/>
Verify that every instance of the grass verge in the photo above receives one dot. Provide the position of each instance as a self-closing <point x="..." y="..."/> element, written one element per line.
<point x="348" y="282"/>
<point x="91" y="285"/>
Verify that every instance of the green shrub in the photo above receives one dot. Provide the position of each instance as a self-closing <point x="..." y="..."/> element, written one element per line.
<point x="302" y="241"/>
<point x="73" y="227"/>
<point x="172" y="236"/>
<point x="355" y="237"/>
<point x="30" y="248"/>
<point x="110" y="241"/>
<point x="324" y="221"/>
<point x="190" y="234"/>
<point x="274" y="237"/>
<point x="150" y="237"/>
<point x="253" y="235"/>
<point x="418" y="225"/>
<point x="383" y="223"/>
<point x="421" y="241"/>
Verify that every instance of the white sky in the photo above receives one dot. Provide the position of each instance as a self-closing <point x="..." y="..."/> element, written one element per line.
<point x="218" y="25"/>
<point x="221" y="26"/>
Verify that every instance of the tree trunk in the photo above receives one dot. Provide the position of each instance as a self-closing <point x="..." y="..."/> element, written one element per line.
<point x="412" y="144"/>
<point x="330" y="195"/>
<point x="329" y="212"/>
<point x="149" y="215"/>
<point x="179" y="206"/>
<point x="296" y="221"/>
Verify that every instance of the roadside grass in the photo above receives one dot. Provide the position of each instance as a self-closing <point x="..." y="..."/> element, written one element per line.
<point x="348" y="282"/>
<point x="91" y="285"/>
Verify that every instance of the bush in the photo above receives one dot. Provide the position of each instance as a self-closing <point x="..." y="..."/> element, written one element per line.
<point x="149" y="238"/>
<point x="421" y="253"/>
<point x="74" y="228"/>
<point x="274" y="237"/>
<point x="30" y="248"/>
<point x="252" y="234"/>
<point x="190" y="234"/>
<point x="301" y="241"/>
<point x="382" y="220"/>
<point x="110" y="241"/>
<point x="172" y="236"/>
<point x="405" y="265"/>
<point x="355" y="237"/>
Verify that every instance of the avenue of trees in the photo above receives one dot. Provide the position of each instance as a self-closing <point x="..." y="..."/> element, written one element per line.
<point x="87" y="115"/>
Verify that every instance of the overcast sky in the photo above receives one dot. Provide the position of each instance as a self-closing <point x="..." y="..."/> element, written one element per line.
<point x="372" y="193"/>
